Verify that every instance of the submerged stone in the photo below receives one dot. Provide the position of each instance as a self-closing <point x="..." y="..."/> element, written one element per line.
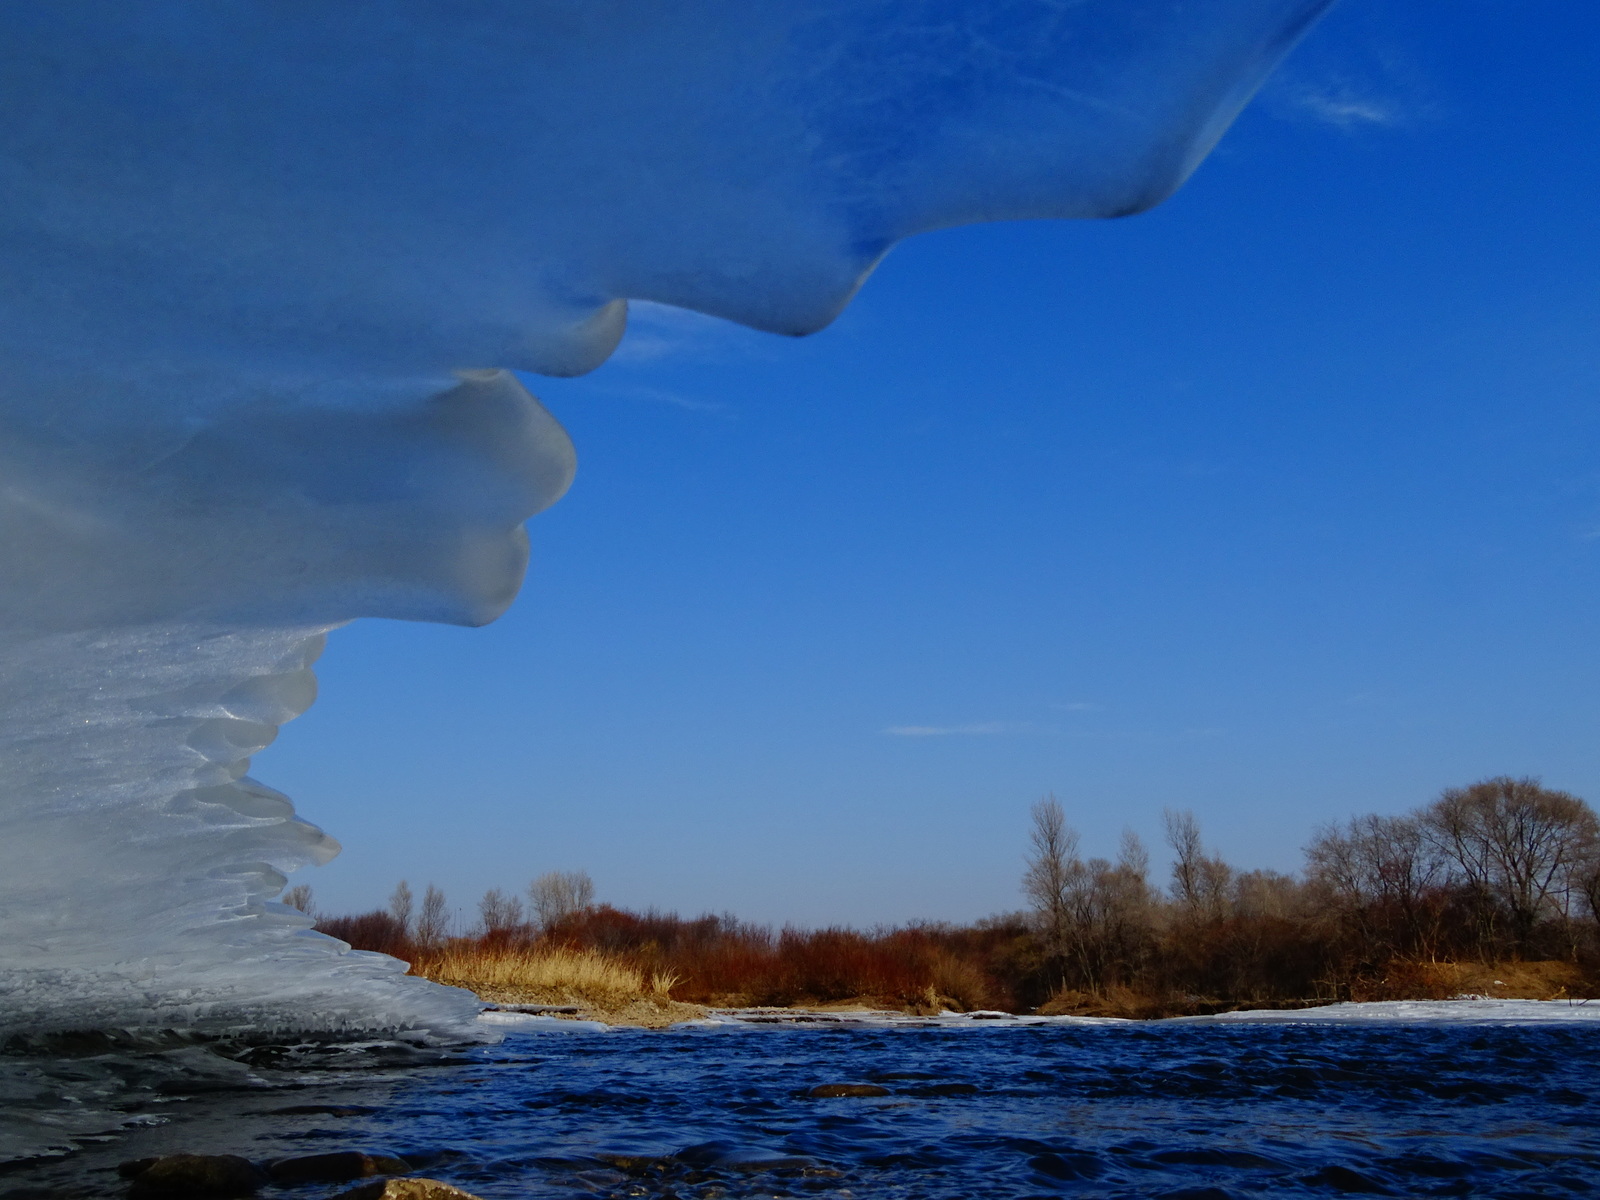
<point x="941" y="1089"/>
<point x="829" y="1091"/>
<point x="192" y="1175"/>
<point x="336" y="1167"/>
<point x="405" y="1189"/>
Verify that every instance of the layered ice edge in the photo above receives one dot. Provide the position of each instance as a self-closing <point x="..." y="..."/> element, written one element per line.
<point x="139" y="862"/>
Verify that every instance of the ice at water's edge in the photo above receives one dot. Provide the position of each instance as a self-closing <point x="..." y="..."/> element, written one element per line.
<point x="139" y="862"/>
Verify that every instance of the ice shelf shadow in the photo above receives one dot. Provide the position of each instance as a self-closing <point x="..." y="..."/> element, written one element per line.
<point x="248" y="251"/>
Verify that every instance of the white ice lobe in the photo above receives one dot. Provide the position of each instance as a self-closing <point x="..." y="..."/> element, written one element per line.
<point x="139" y="874"/>
<point x="266" y="266"/>
<point x="165" y="628"/>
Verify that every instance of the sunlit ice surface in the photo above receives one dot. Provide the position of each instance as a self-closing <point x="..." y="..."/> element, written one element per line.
<point x="268" y="271"/>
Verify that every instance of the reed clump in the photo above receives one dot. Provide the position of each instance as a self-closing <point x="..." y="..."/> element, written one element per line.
<point x="534" y="974"/>
<point x="600" y="986"/>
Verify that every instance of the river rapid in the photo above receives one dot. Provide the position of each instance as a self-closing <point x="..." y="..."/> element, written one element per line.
<point x="1000" y="1109"/>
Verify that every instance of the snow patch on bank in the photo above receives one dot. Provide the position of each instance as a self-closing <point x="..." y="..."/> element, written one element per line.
<point x="1473" y="1011"/>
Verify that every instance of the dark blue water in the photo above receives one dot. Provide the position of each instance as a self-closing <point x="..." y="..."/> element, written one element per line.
<point x="1150" y="1110"/>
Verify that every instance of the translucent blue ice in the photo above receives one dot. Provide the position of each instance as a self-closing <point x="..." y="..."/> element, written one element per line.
<point x="267" y="265"/>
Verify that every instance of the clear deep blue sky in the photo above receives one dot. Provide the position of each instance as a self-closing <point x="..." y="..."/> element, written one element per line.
<point x="1279" y="503"/>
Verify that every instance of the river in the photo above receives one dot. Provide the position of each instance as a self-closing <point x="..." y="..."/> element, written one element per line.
<point x="1000" y="1109"/>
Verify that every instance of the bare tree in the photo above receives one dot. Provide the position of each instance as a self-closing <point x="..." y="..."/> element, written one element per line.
<point x="557" y="895"/>
<point x="1183" y="835"/>
<point x="400" y="906"/>
<point x="1382" y="872"/>
<point x="1124" y="911"/>
<point x="299" y="896"/>
<point x="499" y="911"/>
<point x="1265" y="894"/>
<point x="1216" y="887"/>
<point x="433" y="923"/>
<point x="1134" y="860"/>
<point x="1053" y="871"/>
<point x="1519" y="844"/>
<point x="1094" y="918"/>
<point x="1587" y="878"/>
<point x="1200" y="883"/>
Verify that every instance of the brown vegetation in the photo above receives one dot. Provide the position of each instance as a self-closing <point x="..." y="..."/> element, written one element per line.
<point x="1491" y="890"/>
<point x="602" y="957"/>
<point x="600" y="987"/>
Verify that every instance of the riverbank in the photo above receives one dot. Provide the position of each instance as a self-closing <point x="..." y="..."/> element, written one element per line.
<point x="1400" y="980"/>
<point x="638" y="967"/>
<point x="1411" y="983"/>
<point x="1462" y="1010"/>
<point x="591" y="985"/>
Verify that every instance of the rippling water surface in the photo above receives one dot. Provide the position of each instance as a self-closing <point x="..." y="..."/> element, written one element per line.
<point x="1148" y="1110"/>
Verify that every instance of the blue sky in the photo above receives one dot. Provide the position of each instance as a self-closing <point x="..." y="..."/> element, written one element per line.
<point x="1280" y="503"/>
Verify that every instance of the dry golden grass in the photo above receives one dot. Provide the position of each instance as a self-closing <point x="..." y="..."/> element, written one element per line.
<point x="1551" y="979"/>
<point x="1402" y="980"/>
<point x="525" y="976"/>
<point x="602" y="988"/>
<point x="958" y="984"/>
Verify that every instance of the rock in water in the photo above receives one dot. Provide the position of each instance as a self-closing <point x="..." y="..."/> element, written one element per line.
<point x="337" y="1167"/>
<point x="830" y="1091"/>
<point x="215" y="1176"/>
<point x="405" y="1189"/>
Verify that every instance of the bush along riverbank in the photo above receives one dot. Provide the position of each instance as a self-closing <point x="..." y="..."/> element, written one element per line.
<point x="1492" y="890"/>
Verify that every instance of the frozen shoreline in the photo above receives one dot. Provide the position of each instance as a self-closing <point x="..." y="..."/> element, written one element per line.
<point x="1467" y="1010"/>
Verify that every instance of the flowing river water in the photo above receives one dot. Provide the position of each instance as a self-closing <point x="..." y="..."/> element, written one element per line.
<point x="1200" y="1111"/>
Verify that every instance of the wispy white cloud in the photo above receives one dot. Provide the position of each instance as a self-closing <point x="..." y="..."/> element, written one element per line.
<point x="1342" y="104"/>
<point x="655" y="395"/>
<point x="1364" y="86"/>
<point x="659" y="331"/>
<point x="978" y="729"/>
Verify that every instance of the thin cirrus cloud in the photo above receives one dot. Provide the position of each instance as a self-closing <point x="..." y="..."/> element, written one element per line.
<point x="661" y="331"/>
<point x="1344" y="107"/>
<point x="655" y="395"/>
<point x="1386" y="91"/>
<point x="977" y="729"/>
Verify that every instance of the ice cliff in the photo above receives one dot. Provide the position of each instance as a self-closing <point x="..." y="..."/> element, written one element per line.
<point x="267" y="266"/>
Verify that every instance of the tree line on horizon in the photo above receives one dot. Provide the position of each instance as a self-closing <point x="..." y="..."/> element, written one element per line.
<point x="1503" y="870"/>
